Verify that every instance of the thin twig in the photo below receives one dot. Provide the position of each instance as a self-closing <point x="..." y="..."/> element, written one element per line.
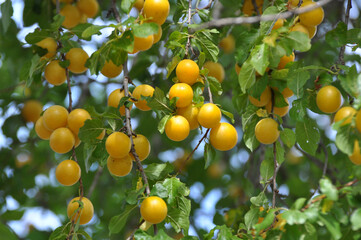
<point x="131" y="236"/>
<point x="57" y="4"/>
<point x="341" y="56"/>
<point x="209" y="5"/>
<point x="155" y="229"/>
<point x="256" y="7"/>
<point x="115" y="11"/>
<point x="324" y="170"/>
<point x="95" y="181"/>
<point x="130" y="131"/>
<point x="272" y="17"/>
<point x="188" y="45"/>
<point x="191" y="154"/>
<point x="210" y="93"/>
<point x="274" y="191"/>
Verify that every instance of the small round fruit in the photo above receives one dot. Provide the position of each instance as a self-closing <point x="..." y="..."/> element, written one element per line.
<point x="55" y="117"/>
<point x="118" y="145"/>
<point x="284" y="60"/>
<point x="86" y="213"/>
<point x="158" y="35"/>
<point x="54" y="73"/>
<point x="300" y="28"/>
<point x="156" y="10"/>
<point x="72" y="16"/>
<point x="89" y="7"/>
<point x="111" y="70"/>
<point x="142" y="90"/>
<point x="77" y="58"/>
<point x="141" y="146"/>
<point x="266" y="131"/>
<point x="50" y="45"/>
<point x="228" y="43"/>
<point x="356" y="155"/>
<point x="313" y="17"/>
<point x="42" y="131"/>
<point x="68" y="172"/>
<point x="153" y="209"/>
<point x="215" y="70"/>
<point x="32" y="110"/>
<point x="280" y="111"/>
<point x="358" y="120"/>
<point x="191" y="114"/>
<point x="114" y="99"/>
<point x="142" y="44"/>
<point x="139" y="4"/>
<point x="76" y="119"/>
<point x="278" y="24"/>
<point x="184" y="93"/>
<point x="120" y="167"/>
<point x="294" y="3"/>
<point x="328" y="99"/>
<point x="209" y="115"/>
<point x="223" y="137"/>
<point x="346" y="114"/>
<point x="264" y="99"/>
<point x="177" y="128"/>
<point x="62" y="140"/>
<point x="187" y="71"/>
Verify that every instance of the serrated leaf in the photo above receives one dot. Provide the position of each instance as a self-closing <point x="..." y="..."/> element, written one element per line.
<point x="260" y="58"/>
<point x="209" y="154"/>
<point x="329" y="189"/>
<point x="332" y="225"/>
<point x="126" y="5"/>
<point x="308" y="135"/>
<point x="91" y="130"/>
<point x="163" y="122"/>
<point x="215" y="85"/>
<point x="117" y="223"/>
<point x="251" y="218"/>
<point x="298" y="204"/>
<point x="267" y="221"/>
<point x="345" y="139"/>
<point x="156" y="171"/>
<point x="6" y="13"/>
<point x="297" y="79"/>
<point x="356" y="220"/>
<point x="145" y="29"/>
<point x="179" y="216"/>
<point x="205" y="40"/>
<point x="91" y="30"/>
<point x="337" y="37"/>
<point x="228" y="114"/>
<point x="294" y="217"/>
<point x="172" y="65"/>
<point x="288" y="137"/>
<point x="247" y="76"/>
<point x="267" y="165"/>
<point x="259" y="200"/>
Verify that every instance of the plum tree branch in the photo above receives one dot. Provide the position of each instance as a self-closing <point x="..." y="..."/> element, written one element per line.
<point x="272" y="17"/>
<point x="341" y="56"/>
<point x="130" y="131"/>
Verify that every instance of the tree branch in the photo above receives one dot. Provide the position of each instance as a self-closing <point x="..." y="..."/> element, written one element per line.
<point x="95" y="181"/>
<point x="341" y="56"/>
<point x="114" y="10"/>
<point x="272" y="17"/>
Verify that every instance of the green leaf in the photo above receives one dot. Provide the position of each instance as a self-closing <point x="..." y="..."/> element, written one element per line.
<point x="205" y="39"/>
<point x="11" y="215"/>
<point x="267" y="221"/>
<point x="260" y="58"/>
<point x="308" y="135"/>
<point x="337" y="37"/>
<point x="172" y="65"/>
<point x="249" y="121"/>
<point x="175" y="189"/>
<point x="6" y="13"/>
<point x="91" y="130"/>
<point x="298" y="110"/>
<point x="126" y="41"/>
<point x="117" y="223"/>
<point x="224" y="233"/>
<point x="247" y="76"/>
<point x="228" y="114"/>
<point x="37" y="36"/>
<point x="6" y="233"/>
<point x="179" y="216"/>
<point x="265" y="26"/>
<point x="267" y="165"/>
<point x="298" y="204"/>
<point x="141" y="235"/>
<point x="133" y="194"/>
<point x="297" y="78"/>
<point x="294" y="217"/>
<point x="329" y="189"/>
<point x="259" y="200"/>
<point x="345" y="139"/>
<point x="258" y="88"/>
<point x="60" y="233"/>
<point x="159" y="102"/>
<point x="280" y="153"/>
<point x="297" y="41"/>
<point x="356" y="220"/>
<point x="251" y="218"/>
<point x="163" y="122"/>
<point x="91" y="30"/>
<point x="156" y="171"/>
<point x="126" y="5"/>
<point x="145" y="29"/>
<point x="348" y="81"/>
<point x="332" y="225"/>
<point x="288" y="137"/>
<point x="209" y="154"/>
<point x="215" y="85"/>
